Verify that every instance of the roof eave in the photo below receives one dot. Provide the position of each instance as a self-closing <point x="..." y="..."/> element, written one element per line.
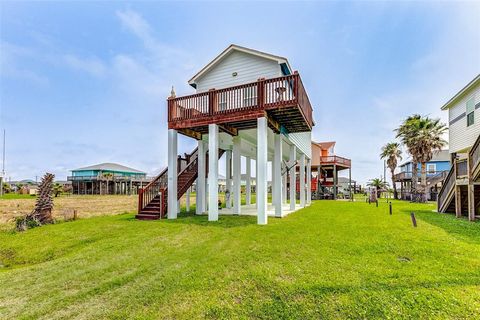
<point x="450" y="102"/>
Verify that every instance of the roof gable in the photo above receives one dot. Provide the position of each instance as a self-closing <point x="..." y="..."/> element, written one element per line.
<point x="459" y="94"/>
<point x="283" y="62"/>
<point x="108" y="166"/>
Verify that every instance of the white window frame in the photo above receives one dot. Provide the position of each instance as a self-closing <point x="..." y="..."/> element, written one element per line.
<point x="431" y="165"/>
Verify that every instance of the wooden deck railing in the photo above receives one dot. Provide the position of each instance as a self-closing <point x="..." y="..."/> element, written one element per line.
<point x="447" y="186"/>
<point x="407" y="175"/>
<point x="462" y="168"/>
<point x="156" y="187"/>
<point x="335" y="160"/>
<point x="474" y="156"/>
<point x="265" y="94"/>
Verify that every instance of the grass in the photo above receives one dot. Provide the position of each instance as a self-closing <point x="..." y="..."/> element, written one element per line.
<point x="331" y="260"/>
<point x="9" y="196"/>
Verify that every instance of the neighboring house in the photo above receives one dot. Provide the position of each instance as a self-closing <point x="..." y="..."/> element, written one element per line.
<point x="437" y="169"/>
<point x="461" y="191"/>
<point x="249" y="104"/>
<point x="107" y="178"/>
<point x="326" y="165"/>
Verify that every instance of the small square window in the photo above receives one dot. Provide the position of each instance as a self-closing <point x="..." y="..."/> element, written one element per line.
<point x="470" y="112"/>
<point x="431" y="168"/>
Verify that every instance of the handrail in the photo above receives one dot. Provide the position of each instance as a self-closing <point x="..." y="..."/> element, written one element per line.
<point x="462" y="168"/>
<point x="335" y="159"/>
<point x="474" y="155"/>
<point x="265" y="94"/>
<point x="449" y="182"/>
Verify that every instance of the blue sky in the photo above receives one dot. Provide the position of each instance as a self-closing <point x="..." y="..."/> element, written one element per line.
<point x="83" y="83"/>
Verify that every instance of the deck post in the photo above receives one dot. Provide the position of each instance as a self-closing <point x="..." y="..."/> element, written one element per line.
<point x="187" y="200"/>
<point x="213" y="172"/>
<point x="228" y="178"/>
<point x="309" y="181"/>
<point x="335" y="181"/>
<point x="172" y="173"/>
<point x="261" y="185"/>
<point x="248" y="186"/>
<point x="284" y="186"/>
<point x="293" y="178"/>
<point x="458" y="201"/>
<point x="277" y="187"/>
<point x="302" y="180"/>
<point x="200" y="186"/>
<point x="237" y="177"/>
<point x="471" y="202"/>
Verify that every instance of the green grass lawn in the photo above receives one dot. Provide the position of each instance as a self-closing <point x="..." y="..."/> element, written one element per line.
<point x="331" y="260"/>
<point x="8" y="196"/>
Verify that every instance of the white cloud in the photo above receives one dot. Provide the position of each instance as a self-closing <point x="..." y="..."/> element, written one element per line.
<point x="92" y="66"/>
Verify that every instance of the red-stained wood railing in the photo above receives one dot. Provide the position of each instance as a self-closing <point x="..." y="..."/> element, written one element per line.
<point x="335" y="160"/>
<point x="265" y="94"/>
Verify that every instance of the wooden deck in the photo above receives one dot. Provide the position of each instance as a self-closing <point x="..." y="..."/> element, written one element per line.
<point x="282" y="100"/>
<point x="340" y="162"/>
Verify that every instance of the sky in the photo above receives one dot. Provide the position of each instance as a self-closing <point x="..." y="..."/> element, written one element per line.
<point x="86" y="82"/>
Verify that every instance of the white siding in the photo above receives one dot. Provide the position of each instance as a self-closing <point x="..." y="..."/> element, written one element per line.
<point x="462" y="137"/>
<point x="249" y="68"/>
<point x="303" y="141"/>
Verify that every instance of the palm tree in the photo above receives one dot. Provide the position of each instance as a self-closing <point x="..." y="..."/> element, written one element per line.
<point x="107" y="176"/>
<point x="378" y="184"/>
<point x="391" y="152"/>
<point x="428" y="140"/>
<point x="407" y="132"/>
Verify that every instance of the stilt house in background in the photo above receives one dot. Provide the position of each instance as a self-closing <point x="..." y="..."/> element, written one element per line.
<point x="247" y="104"/>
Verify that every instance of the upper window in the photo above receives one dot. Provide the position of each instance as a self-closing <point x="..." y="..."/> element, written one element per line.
<point x="431" y="168"/>
<point x="470" y="112"/>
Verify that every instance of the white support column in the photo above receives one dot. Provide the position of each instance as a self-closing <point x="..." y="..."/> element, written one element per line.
<point x="172" y="173"/>
<point x="248" y="186"/>
<point x="237" y="176"/>
<point x="277" y="160"/>
<point x="187" y="200"/>
<point x="293" y="178"/>
<point x="273" y="180"/>
<point x="309" y="181"/>
<point x="262" y="159"/>
<point x="201" y="180"/>
<point x="284" y="187"/>
<point x="302" y="180"/>
<point x="228" y="180"/>
<point x="212" y="172"/>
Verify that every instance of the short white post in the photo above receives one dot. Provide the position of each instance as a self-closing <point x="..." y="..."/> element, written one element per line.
<point x="293" y="178"/>
<point x="201" y="180"/>
<point x="213" y="172"/>
<point x="309" y="181"/>
<point x="248" y="186"/>
<point x="187" y="200"/>
<point x="172" y="173"/>
<point x="262" y="171"/>
<point x="228" y="180"/>
<point x="302" y="180"/>
<point x="284" y="187"/>
<point x="237" y="176"/>
<point x="277" y="160"/>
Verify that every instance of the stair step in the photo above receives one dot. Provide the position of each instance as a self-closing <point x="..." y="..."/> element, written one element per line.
<point x="143" y="216"/>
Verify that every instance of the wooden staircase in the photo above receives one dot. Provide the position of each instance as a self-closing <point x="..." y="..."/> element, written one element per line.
<point x="152" y="200"/>
<point x="446" y="195"/>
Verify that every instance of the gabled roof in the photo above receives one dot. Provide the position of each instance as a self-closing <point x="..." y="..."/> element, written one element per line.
<point x="460" y="93"/>
<point x="108" y="166"/>
<point x="325" y="145"/>
<point x="234" y="47"/>
<point x="443" y="155"/>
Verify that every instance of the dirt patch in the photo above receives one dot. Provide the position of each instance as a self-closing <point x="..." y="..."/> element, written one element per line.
<point x="85" y="205"/>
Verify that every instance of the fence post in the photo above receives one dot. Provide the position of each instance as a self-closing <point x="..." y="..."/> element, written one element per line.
<point x="261" y="93"/>
<point x="414" y="220"/>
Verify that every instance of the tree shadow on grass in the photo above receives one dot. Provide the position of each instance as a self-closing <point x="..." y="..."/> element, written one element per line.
<point x="459" y="228"/>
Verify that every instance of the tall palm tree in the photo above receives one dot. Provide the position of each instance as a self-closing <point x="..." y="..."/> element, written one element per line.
<point x="428" y="140"/>
<point x="407" y="132"/>
<point x="378" y="184"/>
<point x="391" y="152"/>
<point x="422" y="136"/>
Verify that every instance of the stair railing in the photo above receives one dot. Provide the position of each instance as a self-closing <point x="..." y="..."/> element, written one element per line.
<point x="448" y="184"/>
<point x="154" y="188"/>
<point x="474" y="156"/>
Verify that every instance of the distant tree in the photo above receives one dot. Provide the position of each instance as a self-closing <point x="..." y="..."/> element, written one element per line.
<point x="6" y="187"/>
<point x="378" y="184"/>
<point x="42" y="213"/>
<point x="391" y="152"/>
<point x="57" y="189"/>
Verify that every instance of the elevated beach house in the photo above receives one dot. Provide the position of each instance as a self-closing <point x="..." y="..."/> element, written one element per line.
<point x="107" y="178"/>
<point x="461" y="189"/>
<point x="437" y="169"/>
<point x="248" y="104"/>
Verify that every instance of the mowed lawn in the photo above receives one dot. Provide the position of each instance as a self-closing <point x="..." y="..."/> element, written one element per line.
<point x="331" y="260"/>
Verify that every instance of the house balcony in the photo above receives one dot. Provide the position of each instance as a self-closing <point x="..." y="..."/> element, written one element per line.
<point x="340" y="162"/>
<point x="432" y="176"/>
<point x="282" y="100"/>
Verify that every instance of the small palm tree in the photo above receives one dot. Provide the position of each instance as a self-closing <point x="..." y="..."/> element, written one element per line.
<point x="107" y="176"/>
<point x="378" y="184"/>
<point x="391" y="152"/>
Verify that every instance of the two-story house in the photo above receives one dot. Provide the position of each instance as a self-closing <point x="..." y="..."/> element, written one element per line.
<point x="248" y="105"/>
<point x="437" y="169"/>
<point x="325" y="166"/>
<point x="461" y="191"/>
